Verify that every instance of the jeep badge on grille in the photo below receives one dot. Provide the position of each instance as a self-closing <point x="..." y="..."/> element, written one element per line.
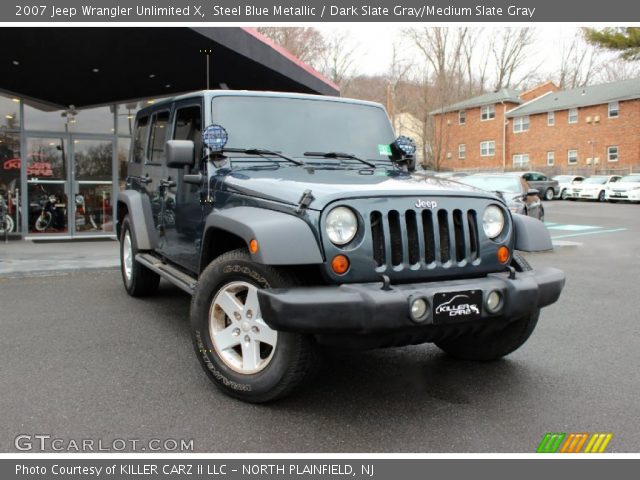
<point x="426" y="204"/>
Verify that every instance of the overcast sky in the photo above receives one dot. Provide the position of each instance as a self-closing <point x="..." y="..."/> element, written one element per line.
<point x="375" y="41"/>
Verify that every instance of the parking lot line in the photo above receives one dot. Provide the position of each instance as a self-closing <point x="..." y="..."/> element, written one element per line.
<point x="593" y="232"/>
<point x="573" y="228"/>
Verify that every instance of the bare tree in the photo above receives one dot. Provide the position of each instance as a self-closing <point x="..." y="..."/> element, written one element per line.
<point x="616" y="69"/>
<point x="306" y="43"/>
<point x="510" y="50"/>
<point x="338" y="58"/>
<point x="580" y="61"/>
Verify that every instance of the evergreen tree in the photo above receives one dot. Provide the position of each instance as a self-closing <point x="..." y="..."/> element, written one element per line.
<point x="623" y="39"/>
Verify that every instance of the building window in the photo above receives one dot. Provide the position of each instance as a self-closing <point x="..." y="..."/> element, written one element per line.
<point x="462" y="150"/>
<point x="551" y="158"/>
<point x="612" y="153"/>
<point x="573" y="115"/>
<point x="462" y="117"/>
<point x="521" y="160"/>
<point x="614" y="110"/>
<point x="488" y="148"/>
<point x="521" y="124"/>
<point x="551" y="119"/>
<point x="488" y="112"/>
<point x="572" y="157"/>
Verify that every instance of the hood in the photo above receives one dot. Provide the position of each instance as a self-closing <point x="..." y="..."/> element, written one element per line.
<point x="287" y="184"/>
<point x="624" y="185"/>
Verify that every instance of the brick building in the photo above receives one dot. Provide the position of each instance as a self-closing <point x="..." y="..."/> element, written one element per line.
<point x="595" y="128"/>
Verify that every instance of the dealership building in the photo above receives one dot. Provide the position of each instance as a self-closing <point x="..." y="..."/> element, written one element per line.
<point x="68" y="99"/>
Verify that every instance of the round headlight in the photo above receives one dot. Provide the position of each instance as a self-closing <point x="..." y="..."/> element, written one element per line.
<point x="341" y="225"/>
<point x="492" y="221"/>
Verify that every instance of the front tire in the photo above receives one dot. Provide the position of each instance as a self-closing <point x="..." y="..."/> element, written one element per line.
<point x="601" y="196"/>
<point x="494" y="344"/>
<point x="564" y="194"/>
<point x="240" y="353"/>
<point x="548" y="194"/>
<point x="138" y="280"/>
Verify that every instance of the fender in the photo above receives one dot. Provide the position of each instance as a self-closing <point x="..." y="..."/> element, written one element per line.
<point x="531" y="234"/>
<point x="141" y="217"/>
<point x="283" y="239"/>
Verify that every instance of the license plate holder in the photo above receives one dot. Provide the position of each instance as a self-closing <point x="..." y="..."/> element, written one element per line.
<point x="456" y="307"/>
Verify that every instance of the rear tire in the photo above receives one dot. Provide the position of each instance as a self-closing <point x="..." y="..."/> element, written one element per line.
<point x="239" y="352"/>
<point x="494" y="344"/>
<point x="138" y="280"/>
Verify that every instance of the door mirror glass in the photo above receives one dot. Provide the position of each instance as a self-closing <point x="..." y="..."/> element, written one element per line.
<point x="180" y="153"/>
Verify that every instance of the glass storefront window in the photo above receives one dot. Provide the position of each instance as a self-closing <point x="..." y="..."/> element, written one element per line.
<point x="126" y="116"/>
<point x="93" y="159"/>
<point x="124" y="144"/>
<point x="9" y="182"/>
<point x="47" y="159"/>
<point x="10" y="111"/>
<point x="88" y="120"/>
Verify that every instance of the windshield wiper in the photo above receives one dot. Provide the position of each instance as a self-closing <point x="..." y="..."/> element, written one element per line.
<point x="338" y="155"/>
<point x="263" y="153"/>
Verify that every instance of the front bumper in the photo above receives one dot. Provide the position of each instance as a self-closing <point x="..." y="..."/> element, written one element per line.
<point x="628" y="195"/>
<point x="368" y="308"/>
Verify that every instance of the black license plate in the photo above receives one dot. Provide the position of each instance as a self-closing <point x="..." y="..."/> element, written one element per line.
<point x="453" y="307"/>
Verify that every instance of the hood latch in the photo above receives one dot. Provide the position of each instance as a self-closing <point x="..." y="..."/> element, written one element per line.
<point x="305" y="200"/>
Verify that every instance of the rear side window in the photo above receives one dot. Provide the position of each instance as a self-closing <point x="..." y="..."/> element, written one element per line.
<point x="157" y="141"/>
<point x="188" y="126"/>
<point x="140" y="139"/>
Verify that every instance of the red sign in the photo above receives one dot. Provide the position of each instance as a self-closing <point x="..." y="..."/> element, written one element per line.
<point x="37" y="169"/>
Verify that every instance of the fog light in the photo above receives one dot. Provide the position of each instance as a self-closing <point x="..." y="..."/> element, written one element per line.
<point x="494" y="301"/>
<point x="419" y="309"/>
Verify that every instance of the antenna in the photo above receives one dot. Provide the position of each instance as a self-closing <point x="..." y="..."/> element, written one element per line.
<point x="207" y="52"/>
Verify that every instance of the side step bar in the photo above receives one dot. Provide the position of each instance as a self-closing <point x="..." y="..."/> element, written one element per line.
<point x="168" y="272"/>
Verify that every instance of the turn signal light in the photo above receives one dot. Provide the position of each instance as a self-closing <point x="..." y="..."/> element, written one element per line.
<point x="340" y="264"/>
<point x="253" y="246"/>
<point x="503" y="254"/>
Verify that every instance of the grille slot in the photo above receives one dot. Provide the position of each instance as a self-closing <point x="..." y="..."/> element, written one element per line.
<point x="377" y="235"/>
<point x="395" y="230"/>
<point x="428" y="238"/>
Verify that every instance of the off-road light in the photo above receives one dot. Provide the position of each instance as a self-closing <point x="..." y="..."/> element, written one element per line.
<point x="419" y="309"/>
<point x="492" y="221"/>
<point x="406" y="145"/>
<point x="494" y="301"/>
<point x="341" y="225"/>
<point x="215" y="137"/>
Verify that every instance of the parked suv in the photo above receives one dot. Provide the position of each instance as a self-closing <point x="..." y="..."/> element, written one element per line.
<point x="548" y="188"/>
<point x="296" y="221"/>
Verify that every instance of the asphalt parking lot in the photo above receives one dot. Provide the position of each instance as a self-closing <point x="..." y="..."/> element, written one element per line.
<point x="80" y="359"/>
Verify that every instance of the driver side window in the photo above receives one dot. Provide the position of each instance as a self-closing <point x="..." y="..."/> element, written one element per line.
<point x="188" y="126"/>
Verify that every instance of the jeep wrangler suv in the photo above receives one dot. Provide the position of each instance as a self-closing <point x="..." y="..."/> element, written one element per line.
<point x="296" y="221"/>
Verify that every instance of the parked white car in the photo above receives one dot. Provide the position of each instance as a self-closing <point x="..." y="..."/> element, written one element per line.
<point x="566" y="182"/>
<point x="626" y="190"/>
<point x="593" y="188"/>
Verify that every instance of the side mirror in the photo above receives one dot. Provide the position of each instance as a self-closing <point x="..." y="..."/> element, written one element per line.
<point x="532" y="191"/>
<point x="180" y="153"/>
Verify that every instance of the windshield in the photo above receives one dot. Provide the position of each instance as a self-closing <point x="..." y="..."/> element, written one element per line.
<point x="596" y="180"/>
<point x="630" y="178"/>
<point x="493" y="184"/>
<point x="294" y="126"/>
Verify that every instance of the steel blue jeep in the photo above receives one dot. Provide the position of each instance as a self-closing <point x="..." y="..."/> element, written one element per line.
<point x="296" y="221"/>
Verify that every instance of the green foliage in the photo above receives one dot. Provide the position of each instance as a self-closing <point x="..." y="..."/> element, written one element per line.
<point x="623" y="39"/>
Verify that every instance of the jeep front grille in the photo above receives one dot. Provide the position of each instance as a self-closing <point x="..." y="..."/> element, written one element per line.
<point x="435" y="238"/>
